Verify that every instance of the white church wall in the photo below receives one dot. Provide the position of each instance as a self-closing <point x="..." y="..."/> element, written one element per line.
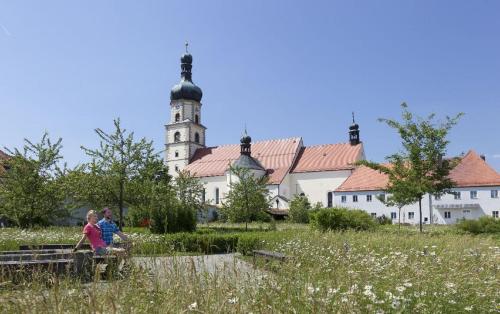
<point x="316" y="185"/>
<point x="211" y="184"/>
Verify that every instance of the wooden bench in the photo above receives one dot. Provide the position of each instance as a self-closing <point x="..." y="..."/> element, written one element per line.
<point x="31" y="247"/>
<point x="268" y="255"/>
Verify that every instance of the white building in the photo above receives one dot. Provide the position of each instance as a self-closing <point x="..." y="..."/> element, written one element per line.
<point x="324" y="173"/>
<point x="475" y="194"/>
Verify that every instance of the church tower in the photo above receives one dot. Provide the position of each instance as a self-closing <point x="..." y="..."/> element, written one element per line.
<point x="354" y="132"/>
<point x="184" y="132"/>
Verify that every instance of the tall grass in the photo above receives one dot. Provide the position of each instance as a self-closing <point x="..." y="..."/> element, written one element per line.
<point x="332" y="272"/>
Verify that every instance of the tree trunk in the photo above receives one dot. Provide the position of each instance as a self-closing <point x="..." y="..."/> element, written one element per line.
<point x="399" y="218"/>
<point x="120" y="204"/>
<point x="420" y="212"/>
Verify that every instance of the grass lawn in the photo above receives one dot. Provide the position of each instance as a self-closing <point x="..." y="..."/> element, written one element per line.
<point x="440" y="271"/>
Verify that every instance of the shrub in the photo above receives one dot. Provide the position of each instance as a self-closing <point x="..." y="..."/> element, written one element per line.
<point x="484" y="224"/>
<point x="384" y="220"/>
<point x="339" y="218"/>
<point x="299" y="209"/>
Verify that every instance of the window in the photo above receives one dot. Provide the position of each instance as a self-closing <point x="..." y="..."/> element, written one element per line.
<point x="177" y="117"/>
<point x="411" y="215"/>
<point x="354" y="198"/>
<point x="495" y="214"/>
<point x="343" y="198"/>
<point x="176" y="154"/>
<point x="368" y="198"/>
<point x="457" y="195"/>
<point x="176" y="168"/>
<point x="393" y="215"/>
<point x="216" y="195"/>
<point x="203" y="196"/>
<point x="374" y="215"/>
<point x="329" y="197"/>
<point x="177" y="137"/>
<point x="382" y="197"/>
<point x="447" y="215"/>
<point x="494" y="193"/>
<point x="196" y="137"/>
<point x="466" y="211"/>
<point x="437" y="197"/>
<point x="473" y="194"/>
<point x="196" y="119"/>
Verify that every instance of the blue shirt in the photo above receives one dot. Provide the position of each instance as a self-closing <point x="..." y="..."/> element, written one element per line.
<point x="108" y="228"/>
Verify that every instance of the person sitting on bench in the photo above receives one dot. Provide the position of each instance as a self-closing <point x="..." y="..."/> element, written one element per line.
<point x="92" y="232"/>
<point x="108" y="228"/>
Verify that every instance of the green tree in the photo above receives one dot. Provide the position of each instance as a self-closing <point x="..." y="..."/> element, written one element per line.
<point x="419" y="167"/>
<point x="299" y="209"/>
<point x="119" y="160"/>
<point x="31" y="190"/>
<point x="190" y="193"/>
<point x="248" y="197"/>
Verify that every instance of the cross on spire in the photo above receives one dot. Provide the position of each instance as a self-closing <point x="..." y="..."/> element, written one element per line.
<point x="353" y="117"/>
<point x="186" y="44"/>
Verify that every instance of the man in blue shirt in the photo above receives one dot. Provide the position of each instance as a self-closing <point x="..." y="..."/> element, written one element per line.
<point x="108" y="227"/>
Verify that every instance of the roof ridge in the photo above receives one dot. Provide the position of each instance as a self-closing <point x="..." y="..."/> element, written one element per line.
<point x="319" y="145"/>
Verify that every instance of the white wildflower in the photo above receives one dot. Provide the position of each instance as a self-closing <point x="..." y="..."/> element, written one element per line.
<point x="449" y="285"/>
<point x="468" y="308"/>
<point x="193" y="306"/>
<point x="401" y="288"/>
<point x="233" y="300"/>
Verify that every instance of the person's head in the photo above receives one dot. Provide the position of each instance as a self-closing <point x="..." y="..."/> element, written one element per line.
<point x="107" y="213"/>
<point x="92" y="216"/>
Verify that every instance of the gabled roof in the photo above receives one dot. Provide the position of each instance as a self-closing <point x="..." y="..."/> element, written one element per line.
<point x="364" y="179"/>
<point x="329" y="157"/>
<point x="471" y="171"/>
<point x="276" y="156"/>
<point x="248" y="162"/>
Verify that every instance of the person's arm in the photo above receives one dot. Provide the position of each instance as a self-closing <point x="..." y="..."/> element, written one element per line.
<point x="80" y="242"/>
<point x="122" y="235"/>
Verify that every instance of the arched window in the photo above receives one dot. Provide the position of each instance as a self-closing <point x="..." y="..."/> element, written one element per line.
<point x="176" y="168"/>
<point x="196" y="119"/>
<point x="177" y="117"/>
<point x="196" y="137"/>
<point x="176" y="154"/>
<point x="330" y="199"/>
<point x="216" y="195"/>
<point x="177" y="137"/>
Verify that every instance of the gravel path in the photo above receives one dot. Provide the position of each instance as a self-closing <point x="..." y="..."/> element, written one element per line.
<point x="218" y="264"/>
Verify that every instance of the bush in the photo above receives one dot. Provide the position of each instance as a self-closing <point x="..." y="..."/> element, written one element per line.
<point x="484" y="224"/>
<point x="384" y="220"/>
<point x="339" y="218"/>
<point x="299" y="209"/>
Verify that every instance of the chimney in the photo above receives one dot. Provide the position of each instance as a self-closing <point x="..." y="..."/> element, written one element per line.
<point x="483" y="157"/>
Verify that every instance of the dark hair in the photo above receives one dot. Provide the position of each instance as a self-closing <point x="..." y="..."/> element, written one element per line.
<point x="104" y="210"/>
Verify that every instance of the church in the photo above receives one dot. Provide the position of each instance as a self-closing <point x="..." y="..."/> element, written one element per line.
<point x="324" y="173"/>
<point x="291" y="167"/>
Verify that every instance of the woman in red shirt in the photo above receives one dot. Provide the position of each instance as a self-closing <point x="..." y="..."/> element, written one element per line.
<point x="92" y="232"/>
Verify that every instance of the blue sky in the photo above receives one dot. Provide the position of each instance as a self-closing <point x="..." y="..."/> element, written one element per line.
<point x="285" y="69"/>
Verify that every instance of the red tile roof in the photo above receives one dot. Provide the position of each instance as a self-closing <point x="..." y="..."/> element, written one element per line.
<point x="328" y="157"/>
<point x="471" y="171"/>
<point x="277" y="156"/>
<point x="364" y="179"/>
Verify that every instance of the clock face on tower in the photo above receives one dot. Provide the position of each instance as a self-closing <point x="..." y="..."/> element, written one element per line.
<point x="177" y="106"/>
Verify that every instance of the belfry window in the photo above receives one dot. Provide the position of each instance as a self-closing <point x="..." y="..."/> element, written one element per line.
<point x="196" y="119"/>
<point x="176" y="154"/>
<point x="196" y="137"/>
<point x="177" y="137"/>
<point x="177" y="117"/>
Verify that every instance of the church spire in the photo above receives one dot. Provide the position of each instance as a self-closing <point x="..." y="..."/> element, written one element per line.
<point x="246" y="144"/>
<point x="354" y="132"/>
<point x="186" y="89"/>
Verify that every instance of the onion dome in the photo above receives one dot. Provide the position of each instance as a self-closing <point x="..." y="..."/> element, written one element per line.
<point x="246" y="160"/>
<point x="186" y="89"/>
<point x="354" y="132"/>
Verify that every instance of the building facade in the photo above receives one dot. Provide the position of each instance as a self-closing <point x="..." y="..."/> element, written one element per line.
<point x="326" y="174"/>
